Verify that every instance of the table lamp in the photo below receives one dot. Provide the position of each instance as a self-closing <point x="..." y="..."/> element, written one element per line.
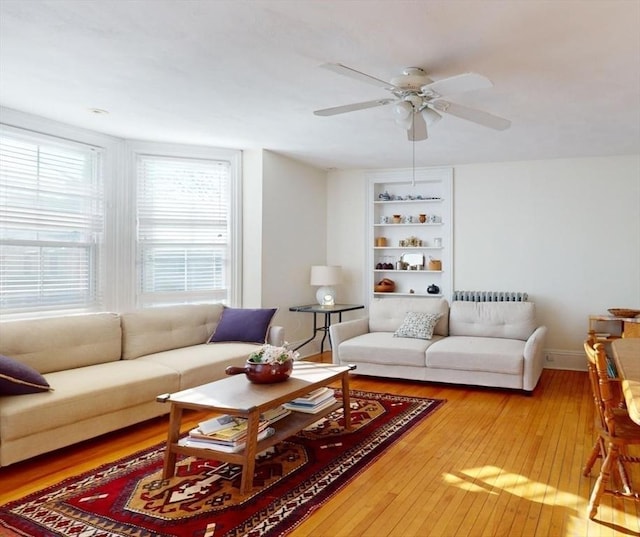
<point x="326" y="277"/>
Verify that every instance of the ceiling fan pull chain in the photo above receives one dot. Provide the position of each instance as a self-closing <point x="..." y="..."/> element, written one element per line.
<point x="413" y="148"/>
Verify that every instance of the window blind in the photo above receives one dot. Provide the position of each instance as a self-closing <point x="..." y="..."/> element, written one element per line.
<point x="51" y="224"/>
<point x="183" y="233"/>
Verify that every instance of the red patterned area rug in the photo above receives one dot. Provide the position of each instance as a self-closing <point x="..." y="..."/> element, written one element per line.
<point x="129" y="497"/>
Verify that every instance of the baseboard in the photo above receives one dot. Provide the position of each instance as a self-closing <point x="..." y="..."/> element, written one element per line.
<point x="561" y="359"/>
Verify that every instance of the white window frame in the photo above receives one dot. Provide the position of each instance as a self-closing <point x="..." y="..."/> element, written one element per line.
<point x="118" y="287"/>
<point x="234" y="269"/>
<point x="36" y="130"/>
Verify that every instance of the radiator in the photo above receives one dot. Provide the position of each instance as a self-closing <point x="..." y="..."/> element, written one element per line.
<point x="490" y="296"/>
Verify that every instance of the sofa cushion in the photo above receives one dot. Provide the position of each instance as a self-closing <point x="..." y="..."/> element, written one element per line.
<point x="470" y="353"/>
<point x="512" y="320"/>
<point x="384" y="348"/>
<point x="204" y="363"/>
<point x="387" y="314"/>
<point x="243" y="325"/>
<point x="62" y="343"/>
<point x="418" y="325"/>
<point x="84" y="393"/>
<point x="17" y="378"/>
<point x="170" y="327"/>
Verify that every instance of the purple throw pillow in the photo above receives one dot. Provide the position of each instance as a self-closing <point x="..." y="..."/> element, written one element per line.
<point x="243" y="325"/>
<point x="17" y="378"/>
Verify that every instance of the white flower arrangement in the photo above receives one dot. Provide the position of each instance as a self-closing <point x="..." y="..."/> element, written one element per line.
<point x="270" y="354"/>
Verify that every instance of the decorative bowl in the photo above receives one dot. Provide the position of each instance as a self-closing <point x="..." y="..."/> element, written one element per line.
<point x="385" y="286"/>
<point x="263" y="373"/>
<point x="623" y="312"/>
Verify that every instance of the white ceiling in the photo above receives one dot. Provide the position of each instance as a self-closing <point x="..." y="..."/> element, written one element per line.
<point x="245" y="74"/>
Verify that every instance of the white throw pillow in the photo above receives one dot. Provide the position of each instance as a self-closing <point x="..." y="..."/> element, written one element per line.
<point x="418" y="325"/>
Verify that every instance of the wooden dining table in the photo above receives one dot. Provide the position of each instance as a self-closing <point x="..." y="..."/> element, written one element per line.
<point x="626" y="354"/>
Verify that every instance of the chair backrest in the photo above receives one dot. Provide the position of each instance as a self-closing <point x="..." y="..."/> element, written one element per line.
<point x="592" y="369"/>
<point x="605" y="392"/>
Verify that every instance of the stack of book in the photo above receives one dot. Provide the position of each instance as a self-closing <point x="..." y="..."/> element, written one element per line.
<point x="313" y="402"/>
<point x="274" y="414"/>
<point x="229" y="433"/>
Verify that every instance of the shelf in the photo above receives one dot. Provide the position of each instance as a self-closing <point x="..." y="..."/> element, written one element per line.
<point x="391" y="202"/>
<point x="410" y="224"/>
<point x="407" y="247"/>
<point x="438" y="295"/>
<point x="435" y="187"/>
<point x="615" y="326"/>
<point x="284" y="427"/>
<point x="407" y="271"/>
<point x="294" y="423"/>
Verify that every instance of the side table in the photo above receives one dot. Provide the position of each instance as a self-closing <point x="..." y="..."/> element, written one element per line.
<point x="319" y="309"/>
<point x="626" y="326"/>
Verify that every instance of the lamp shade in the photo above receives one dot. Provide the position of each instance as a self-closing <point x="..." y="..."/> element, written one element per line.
<point x="403" y="113"/>
<point x="326" y="275"/>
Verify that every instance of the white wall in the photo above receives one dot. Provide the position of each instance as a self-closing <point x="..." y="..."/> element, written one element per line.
<point x="346" y="233"/>
<point x="285" y="232"/>
<point x="251" y="228"/>
<point x="565" y="231"/>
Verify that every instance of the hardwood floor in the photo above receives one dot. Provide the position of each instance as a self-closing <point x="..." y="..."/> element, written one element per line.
<point x="487" y="463"/>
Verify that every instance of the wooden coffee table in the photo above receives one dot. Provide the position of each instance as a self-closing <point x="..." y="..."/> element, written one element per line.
<point x="236" y="396"/>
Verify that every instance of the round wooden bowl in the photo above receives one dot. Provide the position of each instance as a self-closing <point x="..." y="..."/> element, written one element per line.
<point x="385" y="286"/>
<point x="623" y="312"/>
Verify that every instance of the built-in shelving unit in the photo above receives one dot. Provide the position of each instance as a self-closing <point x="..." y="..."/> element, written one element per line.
<point x="410" y="220"/>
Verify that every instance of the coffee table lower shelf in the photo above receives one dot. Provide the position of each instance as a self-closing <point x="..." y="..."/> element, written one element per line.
<point x="285" y="427"/>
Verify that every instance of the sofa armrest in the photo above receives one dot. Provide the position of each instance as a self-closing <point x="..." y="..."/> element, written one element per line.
<point x="533" y="358"/>
<point x="346" y="330"/>
<point x="275" y="336"/>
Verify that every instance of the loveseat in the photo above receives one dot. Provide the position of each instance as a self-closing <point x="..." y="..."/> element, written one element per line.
<point x="105" y="370"/>
<point x="496" y="344"/>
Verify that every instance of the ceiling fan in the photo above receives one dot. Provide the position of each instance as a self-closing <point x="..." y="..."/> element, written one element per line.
<point x="417" y="100"/>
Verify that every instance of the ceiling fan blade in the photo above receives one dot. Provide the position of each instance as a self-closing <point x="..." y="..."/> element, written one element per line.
<point x="456" y="84"/>
<point x="352" y="107"/>
<point x="471" y="114"/>
<point x="418" y="129"/>
<point x="352" y="73"/>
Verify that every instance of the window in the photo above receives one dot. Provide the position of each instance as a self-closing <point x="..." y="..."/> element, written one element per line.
<point x="90" y="222"/>
<point x="185" y="229"/>
<point x="51" y="223"/>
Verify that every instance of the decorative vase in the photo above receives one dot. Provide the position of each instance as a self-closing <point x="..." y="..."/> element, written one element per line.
<point x="262" y="373"/>
<point x="422" y="218"/>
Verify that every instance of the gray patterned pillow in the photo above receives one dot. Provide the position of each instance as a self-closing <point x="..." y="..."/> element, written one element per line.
<point x="418" y="325"/>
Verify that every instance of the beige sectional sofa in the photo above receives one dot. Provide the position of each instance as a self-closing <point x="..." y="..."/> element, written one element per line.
<point x="106" y="369"/>
<point x="497" y="344"/>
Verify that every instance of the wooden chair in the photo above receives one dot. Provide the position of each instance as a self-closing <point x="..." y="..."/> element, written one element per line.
<point x="616" y="432"/>
<point x="599" y="450"/>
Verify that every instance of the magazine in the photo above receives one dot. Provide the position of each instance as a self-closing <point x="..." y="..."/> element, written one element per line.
<point x="189" y="441"/>
<point x="311" y="409"/>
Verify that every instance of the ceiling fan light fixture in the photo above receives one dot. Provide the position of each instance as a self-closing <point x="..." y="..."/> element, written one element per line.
<point x="430" y="116"/>
<point x="402" y="110"/>
<point x="403" y="114"/>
